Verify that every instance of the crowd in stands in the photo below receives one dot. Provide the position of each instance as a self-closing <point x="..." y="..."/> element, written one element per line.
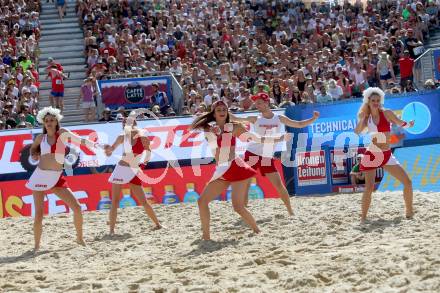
<point x="233" y="49"/>
<point x="19" y="78"/>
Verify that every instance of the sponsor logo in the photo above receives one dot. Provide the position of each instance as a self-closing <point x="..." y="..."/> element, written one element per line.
<point x="134" y="93"/>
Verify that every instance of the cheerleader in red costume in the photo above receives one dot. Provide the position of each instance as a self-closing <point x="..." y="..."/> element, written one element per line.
<point x="50" y="149"/>
<point x="377" y="120"/>
<point x="127" y="171"/>
<point x="221" y="135"/>
<point x="260" y="156"/>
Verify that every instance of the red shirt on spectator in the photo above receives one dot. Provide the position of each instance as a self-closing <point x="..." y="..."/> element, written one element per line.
<point x="181" y="51"/>
<point x="12" y="42"/>
<point x="406" y="66"/>
<point x="36" y="77"/>
<point x="57" y="81"/>
<point x="111" y="51"/>
<point x="226" y="38"/>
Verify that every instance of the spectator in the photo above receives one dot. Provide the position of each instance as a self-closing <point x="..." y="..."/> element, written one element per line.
<point x="87" y="94"/>
<point x="385" y="70"/>
<point x="254" y="44"/>
<point x="208" y="98"/>
<point x="160" y="99"/>
<point x="56" y="97"/>
<point x="334" y="90"/>
<point x="323" y="96"/>
<point x="414" y="46"/>
<point x="19" y="27"/>
<point x="28" y="117"/>
<point x="356" y="176"/>
<point x="406" y="65"/>
<point x="430" y="85"/>
<point x="409" y="87"/>
<point x="61" y="6"/>
<point x="106" y="115"/>
<point x="121" y="113"/>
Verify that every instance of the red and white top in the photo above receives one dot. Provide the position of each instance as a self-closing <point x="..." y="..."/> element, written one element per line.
<point x="266" y="127"/>
<point x="383" y="126"/>
<point x="46" y="148"/>
<point x="137" y="148"/>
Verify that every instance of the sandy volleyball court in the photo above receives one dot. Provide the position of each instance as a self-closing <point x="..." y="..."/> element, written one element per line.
<point x="321" y="249"/>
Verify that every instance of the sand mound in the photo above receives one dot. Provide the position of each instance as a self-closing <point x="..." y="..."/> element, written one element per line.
<point x="321" y="249"/>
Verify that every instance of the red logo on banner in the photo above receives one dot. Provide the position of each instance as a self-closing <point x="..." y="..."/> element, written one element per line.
<point x="311" y="168"/>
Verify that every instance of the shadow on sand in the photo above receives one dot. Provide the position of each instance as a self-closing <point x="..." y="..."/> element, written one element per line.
<point x="379" y="224"/>
<point x="208" y="246"/>
<point x="29" y="254"/>
<point x="114" y="237"/>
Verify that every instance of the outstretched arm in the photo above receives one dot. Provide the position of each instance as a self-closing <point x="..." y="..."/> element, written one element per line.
<point x="395" y="120"/>
<point x="243" y="134"/>
<point x="250" y="119"/>
<point x="299" y="124"/>
<point x="110" y="148"/>
<point x="67" y="136"/>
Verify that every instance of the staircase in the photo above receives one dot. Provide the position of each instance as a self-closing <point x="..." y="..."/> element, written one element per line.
<point x="64" y="42"/>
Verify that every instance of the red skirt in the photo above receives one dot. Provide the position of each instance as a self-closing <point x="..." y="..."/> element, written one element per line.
<point x="237" y="170"/>
<point x="62" y="182"/>
<point x="373" y="160"/>
<point x="264" y="164"/>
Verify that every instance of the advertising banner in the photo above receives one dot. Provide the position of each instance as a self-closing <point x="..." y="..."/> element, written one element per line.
<point x="436" y="55"/>
<point x="339" y="163"/>
<point x="171" y="140"/>
<point x="132" y="92"/>
<point x="93" y="190"/>
<point x="311" y="168"/>
<point x="335" y="126"/>
<point x="422" y="163"/>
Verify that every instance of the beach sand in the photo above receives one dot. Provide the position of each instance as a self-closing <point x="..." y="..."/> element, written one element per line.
<point x="321" y="249"/>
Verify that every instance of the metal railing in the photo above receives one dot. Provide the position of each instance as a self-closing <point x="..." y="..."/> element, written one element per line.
<point x="424" y="67"/>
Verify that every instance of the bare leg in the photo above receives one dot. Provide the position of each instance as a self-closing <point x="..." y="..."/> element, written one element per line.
<point x="116" y="193"/>
<point x="399" y="173"/>
<point x="60" y="12"/>
<point x="86" y="115"/>
<point x="137" y="191"/>
<point x="66" y="195"/>
<point x="38" y="219"/>
<point x="370" y="176"/>
<point x="239" y="192"/>
<point x="57" y="102"/>
<point x="211" y="191"/>
<point x="275" y="179"/>
<point x="52" y="101"/>
<point x="61" y="103"/>
<point x="92" y="114"/>
<point x="246" y="198"/>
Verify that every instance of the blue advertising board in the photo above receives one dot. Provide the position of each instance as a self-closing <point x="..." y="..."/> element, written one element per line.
<point x="422" y="163"/>
<point x="436" y="55"/>
<point x="334" y="129"/>
<point x="337" y="121"/>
